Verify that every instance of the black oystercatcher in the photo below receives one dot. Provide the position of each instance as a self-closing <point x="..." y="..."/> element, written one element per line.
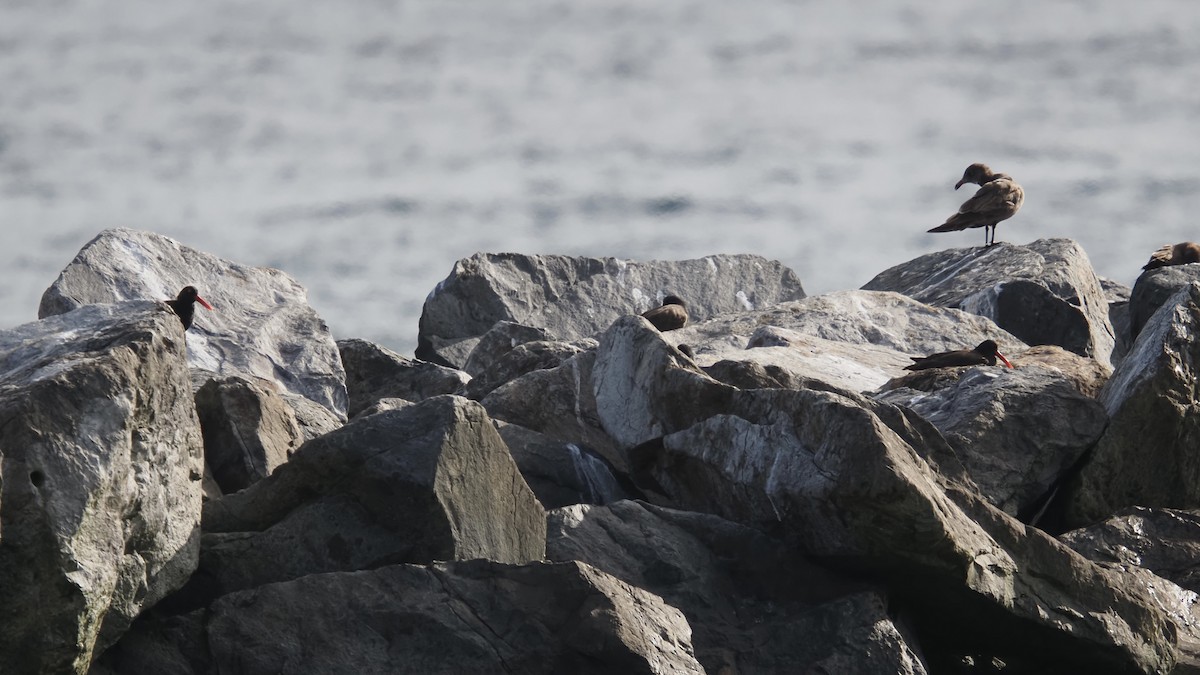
<point x="1180" y="254"/>
<point x="997" y="199"/>
<point x="184" y="305"/>
<point x="987" y="352"/>
<point x="670" y="316"/>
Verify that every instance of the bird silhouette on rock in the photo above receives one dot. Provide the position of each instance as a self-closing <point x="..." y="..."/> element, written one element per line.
<point x="998" y="198"/>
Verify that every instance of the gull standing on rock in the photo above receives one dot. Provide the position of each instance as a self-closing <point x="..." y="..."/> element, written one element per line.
<point x="184" y="305"/>
<point x="998" y="198"/>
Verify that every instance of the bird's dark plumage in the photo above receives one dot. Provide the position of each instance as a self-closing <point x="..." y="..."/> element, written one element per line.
<point x="1180" y="254"/>
<point x="671" y="316"/>
<point x="985" y="353"/>
<point x="184" y="305"/>
<point x="998" y="198"/>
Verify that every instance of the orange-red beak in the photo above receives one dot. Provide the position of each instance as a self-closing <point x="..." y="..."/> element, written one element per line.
<point x="207" y="306"/>
<point x="1006" y="361"/>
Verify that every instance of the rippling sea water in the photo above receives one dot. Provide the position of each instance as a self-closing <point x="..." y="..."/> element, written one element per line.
<point x="364" y="146"/>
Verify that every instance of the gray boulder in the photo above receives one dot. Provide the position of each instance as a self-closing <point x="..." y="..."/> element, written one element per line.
<point x="559" y="403"/>
<point x="1088" y="376"/>
<point x="1016" y="431"/>
<point x="374" y="372"/>
<point x="524" y="358"/>
<point x="100" y="480"/>
<point x="1117" y="295"/>
<point x="1153" y="289"/>
<point x="853" y="340"/>
<point x="1147" y="456"/>
<point x="500" y="339"/>
<point x="430" y="481"/>
<point x="262" y="325"/>
<point x="848" y="481"/>
<point x="561" y="473"/>
<point x="249" y="430"/>
<point x="1154" y="550"/>
<point x="574" y="298"/>
<point x="464" y="617"/>
<point x="1043" y="293"/>
<point x="755" y="605"/>
<point x="1164" y="541"/>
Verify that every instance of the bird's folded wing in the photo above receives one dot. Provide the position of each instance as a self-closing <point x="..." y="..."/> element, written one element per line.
<point x="998" y="195"/>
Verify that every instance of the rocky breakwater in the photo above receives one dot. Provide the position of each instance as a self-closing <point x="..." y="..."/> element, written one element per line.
<point x="559" y="487"/>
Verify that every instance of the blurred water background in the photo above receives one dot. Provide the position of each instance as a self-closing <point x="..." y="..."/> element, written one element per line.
<point x="363" y="146"/>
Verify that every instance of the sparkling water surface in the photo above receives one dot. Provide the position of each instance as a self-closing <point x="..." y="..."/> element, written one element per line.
<point x="364" y="146"/>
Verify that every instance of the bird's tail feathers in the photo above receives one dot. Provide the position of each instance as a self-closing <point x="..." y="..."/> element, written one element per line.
<point x="949" y="226"/>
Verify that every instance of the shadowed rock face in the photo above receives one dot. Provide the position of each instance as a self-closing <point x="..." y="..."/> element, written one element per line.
<point x="574" y="298"/>
<point x="430" y="481"/>
<point x="100" y="480"/>
<point x="1044" y="293"/>
<point x="558" y="402"/>
<point x="249" y="430"/>
<point x="755" y="605"/>
<point x="1147" y="456"/>
<point x="1163" y="541"/>
<point x="262" y="325"/>
<point x="1153" y="289"/>
<point x="561" y="473"/>
<point x="463" y="617"/>
<point x="524" y="358"/>
<point x="374" y="372"/>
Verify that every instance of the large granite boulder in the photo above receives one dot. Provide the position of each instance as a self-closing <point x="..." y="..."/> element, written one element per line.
<point x="249" y="430"/>
<point x="462" y="617"/>
<point x="1147" y="456"/>
<point x="1016" y="431"/>
<point x="374" y="372"/>
<point x="262" y="325"/>
<point x="854" y="340"/>
<point x="99" y="483"/>
<point x="429" y="481"/>
<point x="755" y="605"/>
<point x="1153" y="289"/>
<point x="851" y="482"/>
<point x="1044" y="292"/>
<point x="574" y="298"/>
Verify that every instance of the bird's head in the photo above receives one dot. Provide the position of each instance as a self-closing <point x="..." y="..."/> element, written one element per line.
<point x="977" y="173"/>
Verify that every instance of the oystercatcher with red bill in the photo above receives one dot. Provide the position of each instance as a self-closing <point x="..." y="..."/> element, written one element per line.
<point x="184" y="305"/>
<point x="986" y="353"/>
